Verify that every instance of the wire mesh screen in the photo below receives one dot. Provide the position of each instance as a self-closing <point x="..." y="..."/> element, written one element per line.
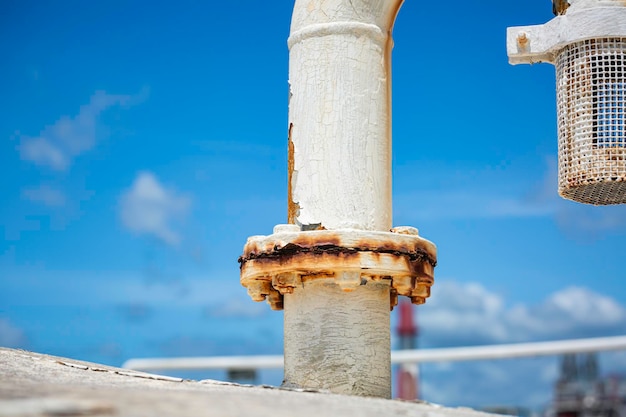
<point x="591" y="88"/>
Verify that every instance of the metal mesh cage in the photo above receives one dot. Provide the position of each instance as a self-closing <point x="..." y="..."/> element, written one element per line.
<point x="591" y="89"/>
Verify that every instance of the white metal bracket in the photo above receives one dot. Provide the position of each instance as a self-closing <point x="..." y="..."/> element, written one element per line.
<point x="541" y="43"/>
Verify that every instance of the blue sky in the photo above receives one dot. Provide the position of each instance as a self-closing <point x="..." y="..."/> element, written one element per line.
<point x="141" y="143"/>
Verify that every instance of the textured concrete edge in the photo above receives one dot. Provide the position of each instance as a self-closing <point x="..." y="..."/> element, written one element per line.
<point x="34" y="384"/>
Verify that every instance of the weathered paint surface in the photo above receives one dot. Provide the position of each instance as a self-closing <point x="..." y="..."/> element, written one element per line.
<point x="292" y="208"/>
<point x="578" y="4"/>
<point x="339" y="113"/>
<point x="584" y="19"/>
<point x="349" y="353"/>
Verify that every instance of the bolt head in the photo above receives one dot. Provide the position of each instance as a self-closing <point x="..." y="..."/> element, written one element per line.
<point x="286" y="228"/>
<point x="405" y="230"/>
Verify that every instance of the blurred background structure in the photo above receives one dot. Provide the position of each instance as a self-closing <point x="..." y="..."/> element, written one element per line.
<point x="582" y="390"/>
<point x="407" y="387"/>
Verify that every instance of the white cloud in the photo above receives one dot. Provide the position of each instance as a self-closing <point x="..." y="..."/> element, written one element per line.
<point x="11" y="336"/>
<point x="568" y="312"/>
<point x="46" y="195"/>
<point x="461" y="314"/>
<point x="57" y="144"/>
<point x="468" y="313"/>
<point x="42" y="151"/>
<point x="151" y="209"/>
<point x="514" y="382"/>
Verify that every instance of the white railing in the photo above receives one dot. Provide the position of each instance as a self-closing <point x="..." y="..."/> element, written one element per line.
<point x="507" y="351"/>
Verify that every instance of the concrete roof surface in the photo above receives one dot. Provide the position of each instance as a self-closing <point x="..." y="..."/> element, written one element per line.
<point x="33" y="384"/>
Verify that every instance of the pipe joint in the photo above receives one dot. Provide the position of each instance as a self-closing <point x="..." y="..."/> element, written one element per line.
<point x="356" y="29"/>
<point x="275" y="265"/>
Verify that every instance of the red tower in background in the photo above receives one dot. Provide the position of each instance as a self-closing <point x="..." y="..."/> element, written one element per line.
<point x="407" y="336"/>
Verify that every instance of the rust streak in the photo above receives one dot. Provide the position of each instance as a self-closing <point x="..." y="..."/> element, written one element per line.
<point x="292" y="207"/>
<point x="292" y="250"/>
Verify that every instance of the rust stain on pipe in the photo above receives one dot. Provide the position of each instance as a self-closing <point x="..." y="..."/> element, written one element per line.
<point x="292" y="207"/>
<point x="291" y="252"/>
<point x="332" y="242"/>
<point x="559" y="6"/>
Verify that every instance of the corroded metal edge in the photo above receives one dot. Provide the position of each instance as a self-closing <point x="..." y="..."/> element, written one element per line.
<point x="401" y="240"/>
<point x="274" y="265"/>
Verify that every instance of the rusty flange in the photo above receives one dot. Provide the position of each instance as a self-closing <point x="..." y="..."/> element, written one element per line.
<point x="274" y="265"/>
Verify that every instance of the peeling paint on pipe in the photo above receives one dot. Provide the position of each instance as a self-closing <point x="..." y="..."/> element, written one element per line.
<point x="339" y="113"/>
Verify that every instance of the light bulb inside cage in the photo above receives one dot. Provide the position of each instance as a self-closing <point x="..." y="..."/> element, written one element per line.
<point x="587" y="45"/>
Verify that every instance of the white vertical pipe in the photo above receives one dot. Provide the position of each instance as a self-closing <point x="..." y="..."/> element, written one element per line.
<point x="338" y="341"/>
<point x="340" y="113"/>
<point x="340" y="177"/>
